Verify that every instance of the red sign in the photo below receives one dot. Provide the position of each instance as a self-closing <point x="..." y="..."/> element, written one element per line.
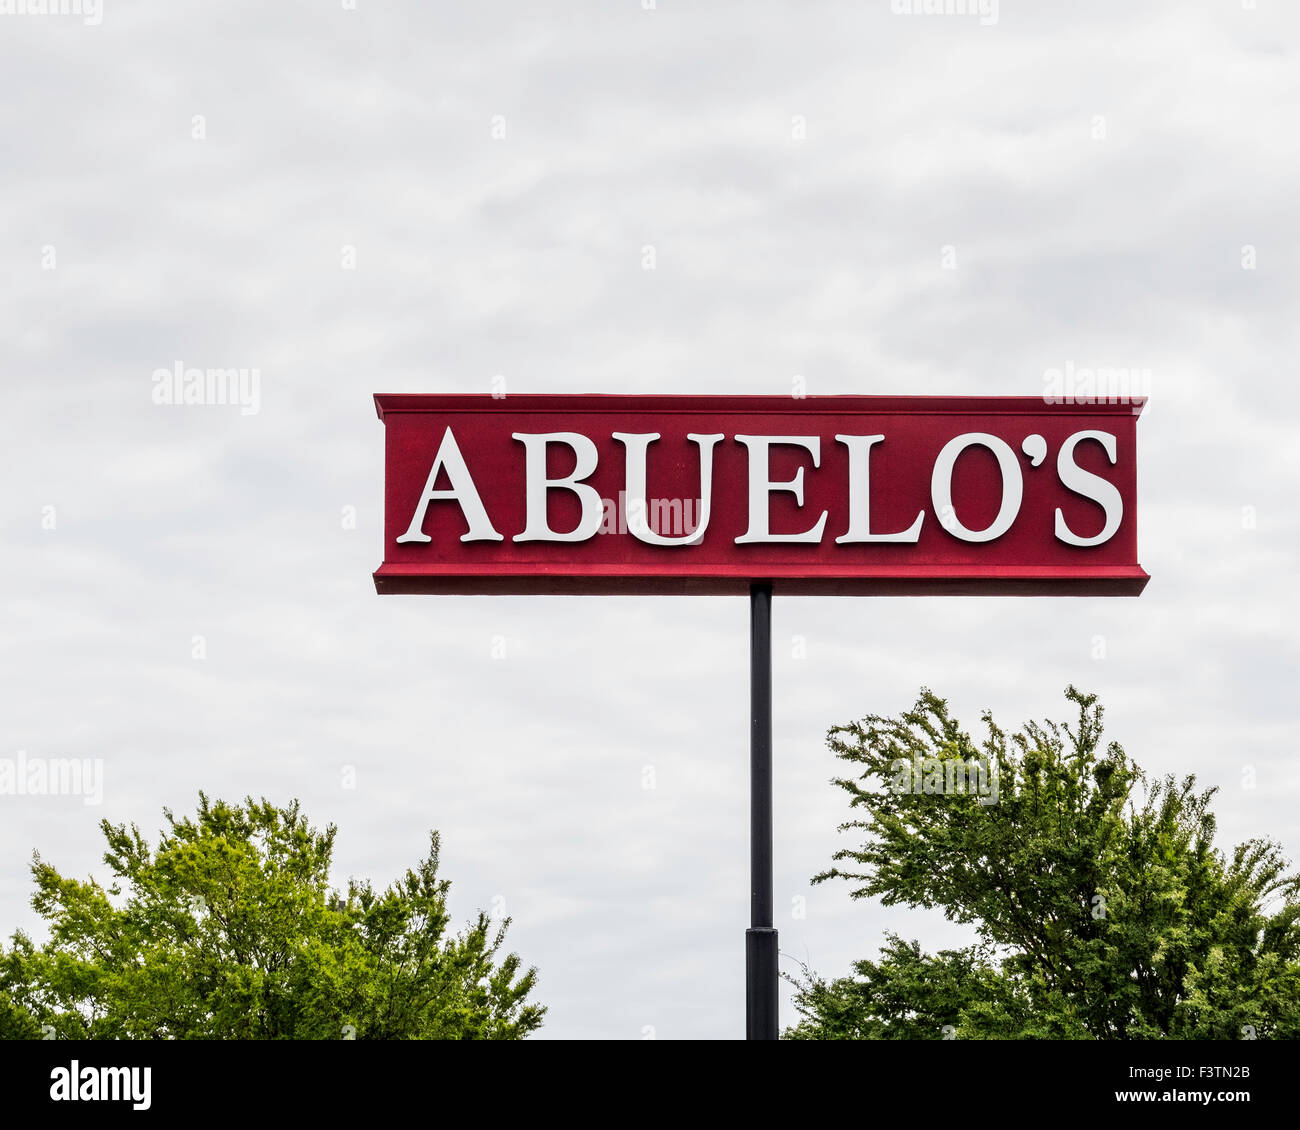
<point x="704" y="494"/>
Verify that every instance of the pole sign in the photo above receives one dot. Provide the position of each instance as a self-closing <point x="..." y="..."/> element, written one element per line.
<point x="757" y="494"/>
<point x="851" y="495"/>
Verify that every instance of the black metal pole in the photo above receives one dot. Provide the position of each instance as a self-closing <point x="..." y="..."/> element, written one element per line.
<point x="760" y="939"/>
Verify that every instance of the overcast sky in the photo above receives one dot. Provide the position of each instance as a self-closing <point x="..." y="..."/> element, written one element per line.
<point x="1116" y="186"/>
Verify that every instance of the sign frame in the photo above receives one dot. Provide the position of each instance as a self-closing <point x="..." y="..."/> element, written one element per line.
<point x="681" y="575"/>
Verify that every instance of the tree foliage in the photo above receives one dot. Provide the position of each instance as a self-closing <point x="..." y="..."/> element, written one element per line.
<point x="228" y="929"/>
<point x="1101" y="906"/>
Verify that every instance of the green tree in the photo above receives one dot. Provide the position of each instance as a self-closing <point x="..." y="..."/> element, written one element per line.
<point x="1101" y="906"/>
<point x="229" y="930"/>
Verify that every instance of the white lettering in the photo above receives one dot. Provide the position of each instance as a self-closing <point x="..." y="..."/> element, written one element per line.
<point x="537" y="486"/>
<point x="1085" y="483"/>
<point x="860" y="499"/>
<point x="761" y="488"/>
<point x="1012" y="486"/>
<point x="462" y="491"/>
<point x="637" y="447"/>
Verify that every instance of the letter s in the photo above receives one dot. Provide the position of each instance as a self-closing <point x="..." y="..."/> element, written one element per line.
<point x="1091" y="486"/>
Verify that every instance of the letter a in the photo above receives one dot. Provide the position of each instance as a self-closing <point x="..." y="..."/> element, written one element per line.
<point x="462" y="490"/>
